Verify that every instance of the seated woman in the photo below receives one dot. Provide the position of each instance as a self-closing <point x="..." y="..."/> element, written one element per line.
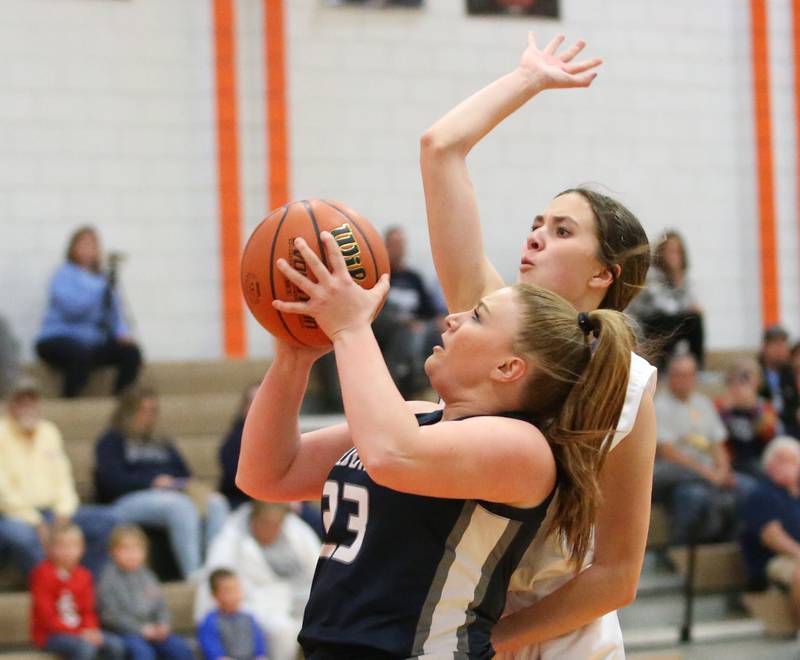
<point x="83" y="326"/>
<point x="667" y="307"/>
<point x="146" y="479"/>
<point x="275" y="554"/>
<point x="443" y="501"/>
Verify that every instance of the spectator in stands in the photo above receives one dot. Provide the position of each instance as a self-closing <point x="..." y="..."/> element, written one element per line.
<point x="771" y="515"/>
<point x="37" y="488"/>
<point x="149" y="483"/>
<point x="227" y="631"/>
<point x="795" y="359"/>
<point x="667" y="308"/>
<point x="131" y="601"/>
<point x="410" y="323"/>
<point x="229" y="462"/>
<point x="751" y="422"/>
<point x="275" y="554"/>
<point x="63" y="618"/>
<point x="778" y="382"/>
<point x="9" y="358"/>
<point x="693" y="475"/>
<point x="229" y="451"/>
<point x="84" y="326"/>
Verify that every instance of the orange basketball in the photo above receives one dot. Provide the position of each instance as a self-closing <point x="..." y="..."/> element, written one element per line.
<point x="262" y="282"/>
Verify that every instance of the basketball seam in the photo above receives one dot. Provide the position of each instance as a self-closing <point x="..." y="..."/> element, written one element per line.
<point x="310" y="211"/>
<point x="272" y="274"/>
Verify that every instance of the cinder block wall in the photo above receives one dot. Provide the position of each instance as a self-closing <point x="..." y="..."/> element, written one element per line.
<point x="107" y="116"/>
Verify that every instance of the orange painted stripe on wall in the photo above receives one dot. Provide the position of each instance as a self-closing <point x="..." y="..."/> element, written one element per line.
<point x="277" y="118"/>
<point x="770" y="295"/>
<point x="230" y="232"/>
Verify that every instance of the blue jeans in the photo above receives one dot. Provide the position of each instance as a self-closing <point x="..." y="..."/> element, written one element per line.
<point x="74" y="647"/>
<point x="704" y="512"/>
<point x="22" y="541"/>
<point x="172" y="648"/>
<point x="174" y="512"/>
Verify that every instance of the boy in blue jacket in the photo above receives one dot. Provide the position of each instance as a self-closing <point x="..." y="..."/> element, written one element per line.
<point x="228" y="632"/>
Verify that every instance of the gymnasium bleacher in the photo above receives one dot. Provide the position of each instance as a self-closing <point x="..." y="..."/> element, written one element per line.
<point x="197" y="404"/>
<point x="197" y="401"/>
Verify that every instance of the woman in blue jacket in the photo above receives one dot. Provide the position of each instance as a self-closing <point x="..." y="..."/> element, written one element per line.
<point x="83" y="326"/>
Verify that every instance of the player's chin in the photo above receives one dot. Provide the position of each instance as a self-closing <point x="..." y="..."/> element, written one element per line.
<point x="432" y="360"/>
<point x="528" y="275"/>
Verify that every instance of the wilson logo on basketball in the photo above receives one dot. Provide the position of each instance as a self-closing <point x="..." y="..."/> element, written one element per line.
<point x="351" y="251"/>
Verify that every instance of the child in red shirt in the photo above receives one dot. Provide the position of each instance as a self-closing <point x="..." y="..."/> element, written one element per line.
<point x="63" y="618"/>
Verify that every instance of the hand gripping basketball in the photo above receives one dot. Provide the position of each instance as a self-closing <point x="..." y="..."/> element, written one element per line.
<point x="335" y="301"/>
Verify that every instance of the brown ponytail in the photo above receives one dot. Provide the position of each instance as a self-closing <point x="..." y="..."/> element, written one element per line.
<point x="576" y="394"/>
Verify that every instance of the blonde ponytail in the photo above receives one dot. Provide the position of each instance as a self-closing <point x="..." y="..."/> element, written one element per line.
<point x="576" y="394"/>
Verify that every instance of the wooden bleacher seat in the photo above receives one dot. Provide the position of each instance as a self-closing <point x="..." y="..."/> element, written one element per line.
<point x="719" y="566"/>
<point x="198" y="377"/>
<point x="773" y="608"/>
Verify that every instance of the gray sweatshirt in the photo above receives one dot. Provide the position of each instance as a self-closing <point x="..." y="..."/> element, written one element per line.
<point x="128" y="600"/>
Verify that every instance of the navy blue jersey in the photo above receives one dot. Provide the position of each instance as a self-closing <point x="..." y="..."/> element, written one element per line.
<point x="410" y="576"/>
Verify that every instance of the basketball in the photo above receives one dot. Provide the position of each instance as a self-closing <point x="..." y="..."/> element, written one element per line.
<point x="273" y="239"/>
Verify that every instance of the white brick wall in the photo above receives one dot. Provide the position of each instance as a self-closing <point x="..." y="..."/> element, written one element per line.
<point x="107" y="116"/>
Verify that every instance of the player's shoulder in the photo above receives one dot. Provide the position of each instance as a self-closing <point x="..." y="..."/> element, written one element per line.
<point x="642" y="376"/>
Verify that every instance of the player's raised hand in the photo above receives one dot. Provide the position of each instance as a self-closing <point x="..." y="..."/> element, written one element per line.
<point x="549" y="69"/>
<point x="335" y="301"/>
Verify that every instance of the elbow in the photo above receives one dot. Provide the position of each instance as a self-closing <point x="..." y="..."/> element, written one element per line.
<point x="383" y="466"/>
<point x="627" y="583"/>
<point x="379" y="467"/>
<point x="255" y="489"/>
<point x="433" y="145"/>
<point x="626" y="595"/>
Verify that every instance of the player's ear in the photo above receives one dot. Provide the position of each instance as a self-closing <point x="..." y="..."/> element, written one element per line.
<point x="604" y="277"/>
<point x="510" y="369"/>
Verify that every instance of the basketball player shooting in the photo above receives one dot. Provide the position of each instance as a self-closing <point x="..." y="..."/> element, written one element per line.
<point x="428" y="509"/>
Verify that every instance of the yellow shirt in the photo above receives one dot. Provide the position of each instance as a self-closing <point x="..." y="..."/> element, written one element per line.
<point x="35" y="473"/>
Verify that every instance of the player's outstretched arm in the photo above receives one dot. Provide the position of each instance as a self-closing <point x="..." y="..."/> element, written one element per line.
<point x="464" y="271"/>
<point x="277" y="463"/>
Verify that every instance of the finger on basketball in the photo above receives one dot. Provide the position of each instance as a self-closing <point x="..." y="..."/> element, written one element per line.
<point x="555" y="42"/>
<point x="334" y="252"/>
<point x="572" y="51"/>
<point x="291" y="307"/>
<point x="382" y="285"/>
<point x="295" y="277"/>
<point x="314" y="263"/>
<point x="585" y="65"/>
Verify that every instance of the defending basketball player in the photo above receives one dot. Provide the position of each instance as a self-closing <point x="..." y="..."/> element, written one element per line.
<point x="592" y="251"/>
<point x="427" y="509"/>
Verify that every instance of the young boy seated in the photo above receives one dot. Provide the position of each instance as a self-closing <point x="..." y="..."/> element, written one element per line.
<point x="227" y="632"/>
<point x="131" y="602"/>
<point x="63" y="619"/>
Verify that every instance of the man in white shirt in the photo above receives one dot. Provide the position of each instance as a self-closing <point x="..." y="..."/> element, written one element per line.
<point x="693" y="475"/>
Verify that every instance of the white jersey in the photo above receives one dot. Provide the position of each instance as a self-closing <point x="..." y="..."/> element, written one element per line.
<point x="545" y="566"/>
